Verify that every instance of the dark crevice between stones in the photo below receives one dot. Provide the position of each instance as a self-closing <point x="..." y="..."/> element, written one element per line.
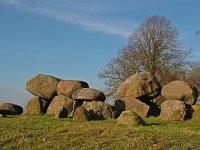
<point x="153" y="108"/>
<point x="43" y="105"/>
<point x="189" y="112"/>
<point x="63" y="113"/>
<point x="95" y="115"/>
<point x="119" y="107"/>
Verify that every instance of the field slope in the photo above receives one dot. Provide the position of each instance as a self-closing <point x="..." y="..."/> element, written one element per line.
<point x="46" y="132"/>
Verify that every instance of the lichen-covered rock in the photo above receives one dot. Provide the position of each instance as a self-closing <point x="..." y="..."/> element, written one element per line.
<point x="173" y="110"/>
<point x="89" y="94"/>
<point x="180" y="90"/>
<point x="68" y="87"/>
<point x="10" y="109"/>
<point x="61" y="107"/>
<point x="130" y="118"/>
<point x="99" y="110"/>
<point x="35" y="106"/>
<point x="44" y="86"/>
<point x="81" y="114"/>
<point x="141" y="85"/>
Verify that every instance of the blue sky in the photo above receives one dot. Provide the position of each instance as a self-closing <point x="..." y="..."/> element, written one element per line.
<point x="74" y="39"/>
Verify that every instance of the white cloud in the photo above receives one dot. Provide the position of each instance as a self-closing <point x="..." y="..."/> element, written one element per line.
<point x="81" y="15"/>
<point x="13" y="2"/>
<point x="87" y="22"/>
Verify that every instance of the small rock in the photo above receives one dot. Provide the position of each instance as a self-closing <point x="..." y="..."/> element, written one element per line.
<point x="10" y="109"/>
<point x="130" y="118"/>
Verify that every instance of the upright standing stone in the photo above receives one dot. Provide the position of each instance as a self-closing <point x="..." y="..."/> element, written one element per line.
<point x="36" y="106"/>
<point x="61" y="107"/>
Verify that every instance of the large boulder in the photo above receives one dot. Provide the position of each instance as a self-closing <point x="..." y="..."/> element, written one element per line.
<point x="81" y="114"/>
<point x="173" y="110"/>
<point x="44" y="86"/>
<point x="68" y="87"/>
<point x="180" y="90"/>
<point x="143" y="86"/>
<point x="61" y="107"/>
<point x="99" y="110"/>
<point x="144" y="109"/>
<point x="10" y="109"/>
<point x="88" y="94"/>
<point x="36" y="106"/>
<point x="130" y="118"/>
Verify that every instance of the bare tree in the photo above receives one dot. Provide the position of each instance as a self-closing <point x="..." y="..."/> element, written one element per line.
<point x="153" y="47"/>
<point x="193" y="75"/>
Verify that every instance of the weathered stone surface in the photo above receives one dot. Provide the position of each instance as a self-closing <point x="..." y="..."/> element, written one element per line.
<point x="130" y="118"/>
<point x="99" y="110"/>
<point x="68" y="87"/>
<point x="141" y="85"/>
<point x="137" y="106"/>
<point x="196" y="113"/>
<point x="36" y="106"/>
<point x="44" y="86"/>
<point x="173" y="110"/>
<point x="180" y="90"/>
<point x="158" y="100"/>
<point x="88" y="94"/>
<point x="81" y="114"/>
<point x="61" y="107"/>
<point x="10" y="109"/>
<point x="141" y="108"/>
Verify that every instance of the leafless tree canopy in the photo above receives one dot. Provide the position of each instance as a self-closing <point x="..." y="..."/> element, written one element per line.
<point x="193" y="75"/>
<point x="153" y="47"/>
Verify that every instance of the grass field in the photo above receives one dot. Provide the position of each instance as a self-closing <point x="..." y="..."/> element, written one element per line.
<point x="46" y="132"/>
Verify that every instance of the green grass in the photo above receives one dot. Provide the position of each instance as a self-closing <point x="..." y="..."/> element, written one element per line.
<point x="46" y="132"/>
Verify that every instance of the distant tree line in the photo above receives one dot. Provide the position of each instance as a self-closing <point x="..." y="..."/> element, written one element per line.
<point x="155" y="47"/>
